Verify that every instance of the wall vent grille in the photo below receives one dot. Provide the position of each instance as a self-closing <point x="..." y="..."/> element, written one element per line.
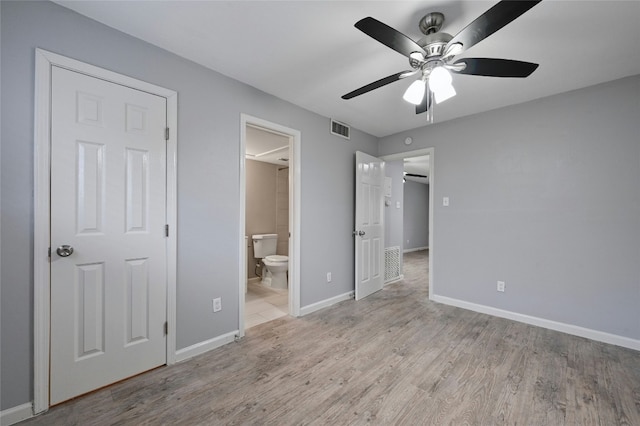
<point x="391" y="263"/>
<point x="340" y="129"/>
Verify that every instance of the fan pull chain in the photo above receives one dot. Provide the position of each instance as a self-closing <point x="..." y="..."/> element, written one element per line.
<point x="430" y="105"/>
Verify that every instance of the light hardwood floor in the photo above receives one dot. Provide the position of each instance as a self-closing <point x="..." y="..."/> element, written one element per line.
<point x="392" y="358"/>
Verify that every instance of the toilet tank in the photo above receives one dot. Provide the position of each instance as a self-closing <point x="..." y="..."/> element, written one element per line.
<point x="264" y="245"/>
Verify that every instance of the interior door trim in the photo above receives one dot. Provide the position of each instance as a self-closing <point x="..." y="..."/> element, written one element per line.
<point x="44" y="61"/>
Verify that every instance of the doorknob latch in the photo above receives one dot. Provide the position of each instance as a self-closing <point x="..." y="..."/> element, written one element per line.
<point x="64" y="251"/>
<point x="360" y="233"/>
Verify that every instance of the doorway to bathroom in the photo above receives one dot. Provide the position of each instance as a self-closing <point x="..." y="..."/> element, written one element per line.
<point x="269" y="176"/>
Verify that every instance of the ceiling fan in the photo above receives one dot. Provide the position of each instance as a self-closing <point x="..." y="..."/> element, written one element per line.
<point x="431" y="57"/>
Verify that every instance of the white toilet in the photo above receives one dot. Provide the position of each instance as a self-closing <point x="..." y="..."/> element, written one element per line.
<point x="274" y="267"/>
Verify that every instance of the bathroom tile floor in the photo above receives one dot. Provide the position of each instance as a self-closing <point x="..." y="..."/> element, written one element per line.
<point x="263" y="304"/>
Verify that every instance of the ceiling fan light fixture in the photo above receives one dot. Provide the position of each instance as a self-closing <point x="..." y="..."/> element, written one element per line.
<point x="444" y="93"/>
<point x="440" y="84"/>
<point x="415" y="92"/>
<point x="439" y="78"/>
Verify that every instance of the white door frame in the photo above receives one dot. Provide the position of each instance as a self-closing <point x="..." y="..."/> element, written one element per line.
<point x="294" y="213"/>
<point x="432" y="180"/>
<point x="42" y="219"/>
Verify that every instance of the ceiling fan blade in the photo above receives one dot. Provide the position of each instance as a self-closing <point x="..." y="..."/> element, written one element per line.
<point x="489" y="22"/>
<point x="379" y="83"/>
<point x="495" y="67"/>
<point x="425" y="104"/>
<point x="389" y="36"/>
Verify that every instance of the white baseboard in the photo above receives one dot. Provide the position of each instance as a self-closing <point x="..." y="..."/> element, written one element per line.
<point x="206" y="346"/>
<point x="414" y="249"/>
<point x="254" y="280"/>
<point x="575" y="330"/>
<point x="11" y="416"/>
<point x="395" y="280"/>
<point x="306" y="310"/>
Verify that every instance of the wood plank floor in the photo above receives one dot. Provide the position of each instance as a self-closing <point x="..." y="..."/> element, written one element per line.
<point x="392" y="358"/>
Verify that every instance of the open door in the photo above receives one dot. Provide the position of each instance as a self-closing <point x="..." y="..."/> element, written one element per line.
<point x="369" y="225"/>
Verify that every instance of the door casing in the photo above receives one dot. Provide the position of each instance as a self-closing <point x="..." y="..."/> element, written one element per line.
<point x="44" y="61"/>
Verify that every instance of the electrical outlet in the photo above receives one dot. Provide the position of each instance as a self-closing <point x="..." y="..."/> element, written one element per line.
<point x="328" y="277"/>
<point x="445" y="201"/>
<point x="217" y="304"/>
<point x="500" y="286"/>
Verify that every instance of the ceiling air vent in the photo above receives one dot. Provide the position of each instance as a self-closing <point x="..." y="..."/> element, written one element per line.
<point x="340" y="129"/>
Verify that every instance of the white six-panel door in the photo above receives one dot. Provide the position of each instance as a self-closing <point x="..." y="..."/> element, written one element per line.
<point x="369" y="232"/>
<point x="108" y="189"/>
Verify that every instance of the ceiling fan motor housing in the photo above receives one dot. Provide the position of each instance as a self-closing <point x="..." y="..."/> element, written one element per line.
<point x="434" y="43"/>
<point x="431" y="22"/>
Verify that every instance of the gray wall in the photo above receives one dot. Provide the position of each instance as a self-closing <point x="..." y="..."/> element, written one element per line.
<point x="392" y="215"/>
<point x="260" y="205"/>
<point x="261" y="197"/>
<point x="416" y="215"/>
<point x="209" y="111"/>
<point x="282" y="210"/>
<point x="545" y="196"/>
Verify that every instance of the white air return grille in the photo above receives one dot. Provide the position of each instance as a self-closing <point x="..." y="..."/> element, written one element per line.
<point x="391" y="264"/>
<point x="340" y="129"/>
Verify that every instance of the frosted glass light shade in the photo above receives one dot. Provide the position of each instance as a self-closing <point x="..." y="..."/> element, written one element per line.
<point x="440" y="84"/>
<point x="415" y="92"/>
<point x="444" y="93"/>
<point x="439" y="78"/>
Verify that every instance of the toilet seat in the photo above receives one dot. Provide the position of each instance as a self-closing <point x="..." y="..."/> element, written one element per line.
<point x="276" y="258"/>
<point x="276" y="270"/>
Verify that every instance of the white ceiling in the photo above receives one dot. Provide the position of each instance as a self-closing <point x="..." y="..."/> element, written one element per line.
<point x="309" y="53"/>
<point x="266" y="146"/>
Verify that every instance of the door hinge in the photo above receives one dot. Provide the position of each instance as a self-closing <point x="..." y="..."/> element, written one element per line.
<point x="166" y="230"/>
<point x="166" y="133"/>
<point x="49" y="253"/>
<point x="166" y="328"/>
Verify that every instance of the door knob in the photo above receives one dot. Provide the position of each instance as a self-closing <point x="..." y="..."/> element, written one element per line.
<point x="360" y="233"/>
<point x="64" y="251"/>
